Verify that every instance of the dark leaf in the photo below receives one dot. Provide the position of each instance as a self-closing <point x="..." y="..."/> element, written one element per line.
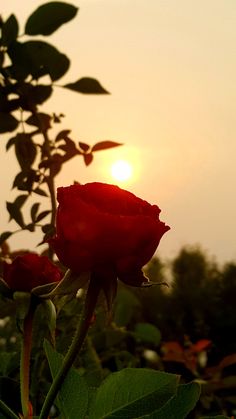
<point x="49" y="231"/>
<point x="38" y="59"/>
<point x="46" y="228"/>
<point x="70" y="149"/>
<point x="56" y="118"/>
<point x="34" y="210"/>
<point x="88" y="158"/>
<point x="4" y="236"/>
<point x="8" y="106"/>
<point x="29" y="96"/>
<point x="40" y="191"/>
<point x="8" y="122"/>
<point x="25" y="179"/>
<point x="10" y="142"/>
<point x="15" y="213"/>
<point x="54" y="164"/>
<point x="40" y="93"/>
<point x="20" y="200"/>
<point x="45" y="59"/>
<point x="25" y="150"/>
<point x="9" y="30"/>
<point x="87" y="85"/>
<point x="84" y="147"/>
<point x="62" y="135"/>
<point x="49" y="17"/>
<point x="40" y="120"/>
<point x="103" y="145"/>
<point x="42" y="215"/>
<point x="21" y="63"/>
<point x="30" y="227"/>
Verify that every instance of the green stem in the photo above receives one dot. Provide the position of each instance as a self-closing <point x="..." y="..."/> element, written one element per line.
<point x="25" y="359"/>
<point x="7" y="411"/>
<point x="80" y="334"/>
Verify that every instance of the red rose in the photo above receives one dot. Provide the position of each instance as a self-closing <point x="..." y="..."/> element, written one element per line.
<point x="100" y="225"/>
<point x="29" y="271"/>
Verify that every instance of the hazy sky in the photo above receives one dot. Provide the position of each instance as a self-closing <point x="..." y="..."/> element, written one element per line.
<point x="170" y="66"/>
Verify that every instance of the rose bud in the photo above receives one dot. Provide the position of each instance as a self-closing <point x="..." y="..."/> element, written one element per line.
<point x="29" y="271"/>
<point x="101" y="227"/>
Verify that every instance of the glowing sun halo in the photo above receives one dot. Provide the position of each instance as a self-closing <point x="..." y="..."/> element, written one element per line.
<point x="121" y="170"/>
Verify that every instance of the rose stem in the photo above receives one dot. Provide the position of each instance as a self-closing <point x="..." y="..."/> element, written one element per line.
<point x="80" y="334"/>
<point x="25" y="359"/>
<point x="7" y="411"/>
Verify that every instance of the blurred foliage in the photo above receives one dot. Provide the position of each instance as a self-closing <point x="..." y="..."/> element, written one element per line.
<point x="187" y="328"/>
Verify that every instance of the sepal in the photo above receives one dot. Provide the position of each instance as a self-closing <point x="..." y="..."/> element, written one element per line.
<point x="23" y="301"/>
<point x="51" y="315"/>
<point x="69" y="284"/>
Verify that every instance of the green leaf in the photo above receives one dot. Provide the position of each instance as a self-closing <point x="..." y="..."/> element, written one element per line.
<point x="51" y="315"/>
<point x="73" y="396"/>
<point x="103" y="145"/>
<point x="215" y="417"/>
<point x="8" y="122"/>
<point x="148" y="333"/>
<point x="180" y="405"/>
<point x="47" y="18"/>
<point x="4" y="236"/>
<point x="132" y="393"/>
<point x="126" y="305"/>
<point x="9" y="30"/>
<point x="34" y="210"/>
<point x="15" y="213"/>
<point x="87" y="85"/>
<point x="45" y="59"/>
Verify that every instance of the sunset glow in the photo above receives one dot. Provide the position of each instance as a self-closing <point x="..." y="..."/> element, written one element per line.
<point x="121" y="170"/>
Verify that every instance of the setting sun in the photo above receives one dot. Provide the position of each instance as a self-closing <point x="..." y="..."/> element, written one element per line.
<point x="121" y="170"/>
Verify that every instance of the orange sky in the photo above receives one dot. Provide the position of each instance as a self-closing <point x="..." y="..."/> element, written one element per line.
<point x="170" y="67"/>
